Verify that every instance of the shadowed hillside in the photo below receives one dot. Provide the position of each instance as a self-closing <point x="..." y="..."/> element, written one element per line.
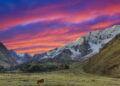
<point x="5" y="58"/>
<point x="107" y="62"/>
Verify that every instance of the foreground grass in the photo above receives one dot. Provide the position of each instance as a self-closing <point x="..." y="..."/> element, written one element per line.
<point x="75" y="76"/>
<point x="62" y="78"/>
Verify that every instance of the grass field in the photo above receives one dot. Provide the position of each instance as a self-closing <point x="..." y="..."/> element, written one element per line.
<point x="72" y="77"/>
<point x="57" y="79"/>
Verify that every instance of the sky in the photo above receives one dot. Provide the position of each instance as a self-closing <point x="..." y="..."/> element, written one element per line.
<point x="37" y="26"/>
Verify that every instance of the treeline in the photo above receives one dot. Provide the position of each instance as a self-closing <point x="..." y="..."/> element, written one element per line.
<point x="2" y="69"/>
<point x="46" y="67"/>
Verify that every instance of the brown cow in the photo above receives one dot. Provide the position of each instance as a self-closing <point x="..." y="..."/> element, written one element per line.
<point x="40" y="81"/>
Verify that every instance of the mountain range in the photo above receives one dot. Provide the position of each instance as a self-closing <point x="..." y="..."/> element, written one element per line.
<point x="9" y="58"/>
<point x="81" y="49"/>
<point x="84" y="47"/>
<point x="20" y="58"/>
<point x="5" y="58"/>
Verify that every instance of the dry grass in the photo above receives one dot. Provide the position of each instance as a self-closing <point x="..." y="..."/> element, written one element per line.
<point x="62" y="78"/>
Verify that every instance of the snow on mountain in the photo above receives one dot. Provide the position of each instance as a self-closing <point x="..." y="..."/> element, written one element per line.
<point x="20" y="54"/>
<point x="20" y="58"/>
<point x="84" y="47"/>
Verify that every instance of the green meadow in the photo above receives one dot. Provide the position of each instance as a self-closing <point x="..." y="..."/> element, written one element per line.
<point x="57" y="79"/>
<point x="71" y="77"/>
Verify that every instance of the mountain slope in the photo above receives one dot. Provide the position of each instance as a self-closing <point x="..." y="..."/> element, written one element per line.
<point x="20" y="58"/>
<point x="83" y="47"/>
<point x="107" y="61"/>
<point x="5" y="57"/>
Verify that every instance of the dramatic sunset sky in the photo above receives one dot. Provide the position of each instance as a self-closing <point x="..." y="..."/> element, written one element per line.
<point x="37" y="26"/>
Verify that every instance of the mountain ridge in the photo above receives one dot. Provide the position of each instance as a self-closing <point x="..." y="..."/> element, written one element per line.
<point x="84" y="47"/>
<point x="5" y="58"/>
<point x="20" y="58"/>
<point x="79" y="50"/>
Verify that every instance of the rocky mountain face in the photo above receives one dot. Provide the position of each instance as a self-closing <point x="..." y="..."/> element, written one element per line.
<point x="10" y="58"/>
<point x="5" y="58"/>
<point x="107" y="61"/>
<point x="20" y="58"/>
<point x="84" y="47"/>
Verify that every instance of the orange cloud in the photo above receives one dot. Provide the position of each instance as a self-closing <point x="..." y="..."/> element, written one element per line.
<point x="41" y="50"/>
<point x="55" y="38"/>
<point x="104" y="24"/>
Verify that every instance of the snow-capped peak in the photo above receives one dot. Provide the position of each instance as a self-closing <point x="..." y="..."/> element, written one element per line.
<point x="84" y="46"/>
<point x="20" y="54"/>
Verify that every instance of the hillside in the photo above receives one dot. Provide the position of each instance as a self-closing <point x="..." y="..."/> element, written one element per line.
<point x="5" y="58"/>
<point x="107" y="62"/>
